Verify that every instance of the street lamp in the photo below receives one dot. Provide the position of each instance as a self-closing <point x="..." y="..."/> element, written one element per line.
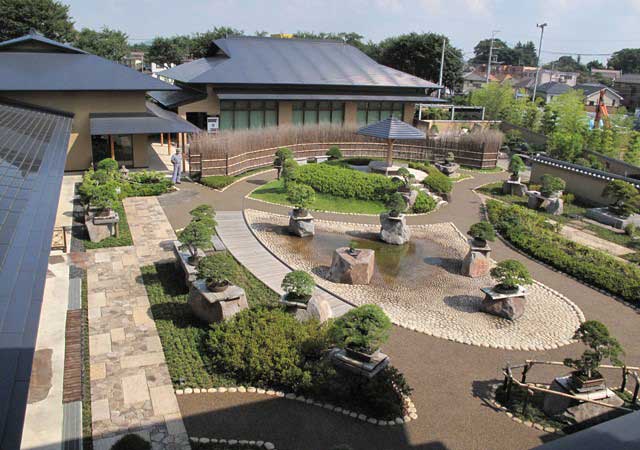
<point x="535" y="84"/>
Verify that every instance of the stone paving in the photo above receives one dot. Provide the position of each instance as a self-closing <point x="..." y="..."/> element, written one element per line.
<point x="131" y="390"/>
<point x="446" y="305"/>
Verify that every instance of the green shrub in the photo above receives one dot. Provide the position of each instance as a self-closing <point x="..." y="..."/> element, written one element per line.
<point x="407" y="177"/>
<point x="147" y="189"/>
<point x="482" y="230"/>
<point x="131" y="442"/>
<point x="283" y="154"/>
<point x="631" y="230"/>
<point x="204" y="213"/>
<point x="298" y="285"/>
<point x="516" y="165"/>
<point x="217" y="181"/>
<point x="364" y="329"/>
<point x="146" y="177"/>
<point x="290" y="170"/>
<point x="625" y="196"/>
<point x="511" y="274"/>
<point x="108" y="164"/>
<point x="436" y="181"/>
<point x="551" y="184"/>
<point x="424" y="203"/>
<point x="104" y="196"/>
<point x="300" y="195"/>
<point x="195" y="235"/>
<point x="218" y="268"/>
<point x="525" y="229"/>
<point x="396" y="203"/>
<point x="334" y="152"/>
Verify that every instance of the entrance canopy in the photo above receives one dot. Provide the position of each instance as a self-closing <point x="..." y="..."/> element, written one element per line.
<point x="392" y="129"/>
<point x="154" y="120"/>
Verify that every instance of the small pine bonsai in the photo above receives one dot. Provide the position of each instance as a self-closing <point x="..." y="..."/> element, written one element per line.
<point x="104" y="197"/>
<point x="551" y="185"/>
<point x="516" y="165"/>
<point x="450" y="158"/>
<point x="510" y="274"/>
<point x="407" y="177"/>
<point x="108" y="164"/>
<point x="300" y="195"/>
<point x="282" y="155"/>
<point x="363" y="329"/>
<point x="131" y="442"/>
<point x="602" y="345"/>
<point x="299" y="286"/>
<point x="205" y="214"/>
<point x="396" y="204"/>
<point x="482" y="230"/>
<point x="195" y="235"/>
<point x="334" y="153"/>
<point x="217" y="269"/>
<point x="625" y="196"/>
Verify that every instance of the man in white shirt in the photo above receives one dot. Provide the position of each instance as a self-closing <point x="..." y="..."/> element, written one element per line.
<point x="176" y="160"/>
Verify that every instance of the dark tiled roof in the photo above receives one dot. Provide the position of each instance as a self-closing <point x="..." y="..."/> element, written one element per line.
<point x="34" y="42"/>
<point x="553" y="88"/>
<point x="590" y="88"/>
<point x="272" y="61"/>
<point x="584" y="170"/>
<point x="33" y="149"/>
<point x="244" y="95"/>
<point x="173" y="99"/>
<point x="392" y="128"/>
<point x="474" y="76"/>
<point x="155" y="120"/>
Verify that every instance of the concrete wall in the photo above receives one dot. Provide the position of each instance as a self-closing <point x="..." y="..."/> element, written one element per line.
<point x="82" y="104"/>
<point x="583" y="186"/>
<point x="209" y="105"/>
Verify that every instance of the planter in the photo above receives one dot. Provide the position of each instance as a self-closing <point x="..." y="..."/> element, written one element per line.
<point x="217" y="286"/>
<point x="194" y="260"/>
<point x="404" y="188"/>
<point x="295" y="302"/>
<point x="360" y="356"/>
<point x="506" y="291"/>
<point x="584" y="384"/>
<point x="300" y="212"/>
<point x="394" y="213"/>
<point x="514" y="177"/>
<point x="479" y="242"/>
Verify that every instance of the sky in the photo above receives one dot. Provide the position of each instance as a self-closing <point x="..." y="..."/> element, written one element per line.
<point x="574" y="26"/>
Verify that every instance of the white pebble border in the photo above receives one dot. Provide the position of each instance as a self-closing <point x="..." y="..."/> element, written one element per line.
<point x="484" y="197"/>
<point x="237" y="181"/>
<point x="411" y="413"/>
<point x="235" y="442"/>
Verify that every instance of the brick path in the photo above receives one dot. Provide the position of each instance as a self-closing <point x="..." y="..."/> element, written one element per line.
<point x="131" y="390"/>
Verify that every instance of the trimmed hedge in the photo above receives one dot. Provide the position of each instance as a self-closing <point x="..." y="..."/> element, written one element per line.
<point x="217" y="181"/>
<point x="526" y="230"/>
<point x="344" y="182"/>
<point x="436" y="181"/>
<point x="424" y="203"/>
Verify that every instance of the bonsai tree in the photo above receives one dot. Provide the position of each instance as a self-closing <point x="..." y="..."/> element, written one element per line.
<point x="204" y="213"/>
<point x="516" y="166"/>
<point x="298" y="286"/>
<point x="363" y="329"/>
<point x="104" y="198"/>
<point x="626" y="197"/>
<point x="289" y="170"/>
<point x="217" y="270"/>
<point x="396" y="204"/>
<point x="334" y="153"/>
<point x="108" y="165"/>
<point x="302" y="196"/>
<point x="407" y="178"/>
<point x="551" y="185"/>
<point x="450" y="158"/>
<point x="511" y="274"/>
<point x="602" y="345"/>
<point x="482" y="232"/>
<point x="195" y="235"/>
<point x="131" y="442"/>
<point x="281" y="156"/>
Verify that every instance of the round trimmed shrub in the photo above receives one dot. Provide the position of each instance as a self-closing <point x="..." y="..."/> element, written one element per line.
<point x="551" y="185"/>
<point x="217" y="268"/>
<point x="511" y="274"/>
<point x="424" y="203"/>
<point x="300" y="195"/>
<point x="289" y="169"/>
<point x="131" y="442"/>
<point x="298" y="285"/>
<point x="482" y="230"/>
<point x="108" y="164"/>
<point x="283" y="154"/>
<point x="362" y="329"/>
<point x="334" y="153"/>
<point x="437" y="182"/>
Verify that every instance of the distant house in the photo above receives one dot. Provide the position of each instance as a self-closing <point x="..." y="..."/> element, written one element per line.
<point x="592" y="94"/>
<point x="548" y="91"/>
<point x="135" y="60"/>
<point x="472" y="81"/>
<point x="628" y="85"/>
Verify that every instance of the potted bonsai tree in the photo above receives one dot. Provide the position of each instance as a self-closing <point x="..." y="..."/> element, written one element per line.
<point x="511" y="275"/>
<point x="361" y="331"/>
<point x="301" y="196"/>
<point x="289" y="170"/>
<point x="482" y="232"/>
<point x="602" y="345"/>
<point x="626" y="198"/>
<point x="407" y="179"/>
<point x="194" y="236"/>
<point x="334" y="153"/>
<point x="516" y="167"/>
<point x="396" y="204"/>
<point x="552" y="187"/>
<point x="104" y="198"/>
<point x="205" y="214"/>
<point x="281" y="156"/>
<point x="450" y="158"/>
<point x="217" y="270"/>
<point x="298" y="287"/>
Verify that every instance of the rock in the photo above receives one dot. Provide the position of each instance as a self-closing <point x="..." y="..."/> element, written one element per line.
<point x="301" y="226"/>
<point x="101" y="227"/>
<point x="477" y="263"/>
<point x="535" y="200"/>
<point x="394" y="230"/>
<point x="213" y="307"/>
<point x="508" y="306"/>
<point x="320" y="309"/>
<point x="410" y="197"/>
<point x="352" y="269"/>
<point x="269" y="446"/>
<point x="447" y="168"/>
<point x="553" y="206"/>
<point x="182" y="262"/>
<point x="510" y="187"/>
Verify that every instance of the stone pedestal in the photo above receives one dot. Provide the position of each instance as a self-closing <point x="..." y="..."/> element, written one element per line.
<point x="394" y="230"/>
<point x="182" y="262"/>
<point x="579" y="412"/>
<point x="448" y="169"/>
<point x="212" y="307"/>
<point x="350" y="268"/>
<point x="535" y="200"/>
<point x="101" y="227"/>
<point x="318" y="308"/>
<point x="604" y="216"/>
<point x="301" y="226"/>
<point x="368" y="369"/>
<point x="509" y="306"/>
<point x="551" y="205"/>
<point x="511" y="187"/>
<point x="477" y="263"/>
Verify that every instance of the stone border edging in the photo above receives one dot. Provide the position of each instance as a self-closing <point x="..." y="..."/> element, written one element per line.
<point x="235" y="442"/>
<point x="617" y="298"/>
<point x="409" y="407"/>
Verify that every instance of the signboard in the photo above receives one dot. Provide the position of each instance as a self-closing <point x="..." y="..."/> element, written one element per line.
<point x="213" y="124"/>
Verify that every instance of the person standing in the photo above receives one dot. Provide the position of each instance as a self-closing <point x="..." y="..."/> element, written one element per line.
<point x="176" y="160"/>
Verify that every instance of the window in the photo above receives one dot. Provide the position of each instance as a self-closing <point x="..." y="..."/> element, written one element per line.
<point x="236" y="115"/>
<point x="372" y="112"/>
<point x="199" y="119"/>
<point x="122" y="148"/>
<point x="312" y="113"/>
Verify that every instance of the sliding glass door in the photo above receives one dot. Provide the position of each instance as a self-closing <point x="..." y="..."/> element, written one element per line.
<point x="122" y="145"/>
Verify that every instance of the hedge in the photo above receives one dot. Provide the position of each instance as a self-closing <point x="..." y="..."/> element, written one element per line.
<point x="436" y="181"/>
<point x="527" y="231"/>
<point x="217" y="181"/>
<point x="344" y="182"/>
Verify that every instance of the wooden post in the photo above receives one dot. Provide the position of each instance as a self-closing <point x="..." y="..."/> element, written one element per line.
<point x="526" y="401"/>
<point x="524" y="373"/>
<point x="169" y="143"/>
<point x="624" y="378"/>
<point x="390" y="153"/>
<point x="161" y="138"/>
<point x="184" y="153"/>
<point x="112" y="147"/>
<point x="180" y="141"/>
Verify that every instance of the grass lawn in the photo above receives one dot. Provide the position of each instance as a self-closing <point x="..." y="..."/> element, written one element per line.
<point x="275" y="192"/>
<point x="124" y="234"/>
<point x="182" y="335"/>
<point x="222" y="181"/>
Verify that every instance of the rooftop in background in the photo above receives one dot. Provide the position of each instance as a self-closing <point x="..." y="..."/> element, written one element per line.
<point x="590" y="88"/>
<point x="32" y="158"/>
<point x="273" y="61"/>
<point x="35" y="63"/>
<point x="553" y="88"/>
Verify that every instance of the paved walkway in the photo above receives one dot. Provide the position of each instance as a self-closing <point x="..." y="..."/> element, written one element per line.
<point x="131" y="390"/>
<point x="244" y="246"/>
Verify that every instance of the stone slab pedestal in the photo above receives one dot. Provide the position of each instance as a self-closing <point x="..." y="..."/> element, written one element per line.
<point x="350" y="268"/>
<point x="410" y="197"/>
<point x="368" y="369"/>
<point x="551" y="205"/>
<point x="477" y="263"/>
<point x="509" y="306"/>
<point x="213" y="307"/>
<point x="101" y="227"/>
<point x="511" y="187"/>
<point x="448" y="169"/>
<point x="382" y="167"/>
<point x="394" y="230"/>
<point x="301" y="226"/>
<point x="604" y="216"/>
<point x="182" y="262"/>
<point x="318" y="308"/>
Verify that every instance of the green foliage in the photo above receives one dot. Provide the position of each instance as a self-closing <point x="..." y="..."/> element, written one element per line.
<point x="49" y="17"/>
<point x="516" y="165"/>
<point x="602" y="345"/>
<point x="424" y="203"/>
<point x="626" y="197"/>
<point x="627" y="60"/>
<point x="107" y="43"/>
<point x="218" y="267"/>
<point x="525" y="230"/>
<point x="217" y="181"/>
<point x="632" y="155"/>
<point x="147" y="177"/>
<point x="283" y="154"/>
<point x="195" y="235"/>
<point x="104" y="196"/>
<point x="567" y="140"/>
<point x="632" y="230"/>
<point x="522" y="54"/>
<point x="551" y="184"/>
<point x="334" y="152"/>
<point x="407" y="177"/>
<point x="131" y="442"/>
<point x="300" y="195"/>
<point x="167" y="50"/>
<point x="396" y="203"/>
<point x="290" y="170"/>
<point x="299" y="285"/>
<point x="436" y="181"/>
<point x="108" y="164"/>
<point x="511" y="274"/>
<point x="364" y="329"/>
<point x="204" y="213"/>
<point x="482" y="230"/>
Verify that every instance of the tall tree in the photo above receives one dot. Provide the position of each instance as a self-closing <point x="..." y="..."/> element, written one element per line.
<point x="627" y="60"/>
<point x="419" y="55"/>
<point x="501" y="51"/>
<point x="200" y="43"/>
<point x="568" y="138"/>
<point x="595" y="64"/>
<point x="167" y="50"/>
<point x="110" y="44"/>
<point x="49" y="17"/>
<point x="525" y="54"/>
<point x="566" y="64"/>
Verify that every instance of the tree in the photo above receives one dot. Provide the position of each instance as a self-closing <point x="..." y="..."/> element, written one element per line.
<point x="199" y="45"/>
<point x="497" y="99"/>
<point x="627" y="60"/>
<point x="566" y="64"/>
<point x="632" y="155"/>
<point x="568" y="138"/>
<point x="500" y="50"/>
<point x="49" y="17"/>
<point x="526" y="54"/>
<point x="601" y="345"/>
<point x="595" y="64"/>
<point x="167" y="50"/>
<point x="110" y="44"/>
<point x="419" y="55"/>
<point x="625" y="196"/>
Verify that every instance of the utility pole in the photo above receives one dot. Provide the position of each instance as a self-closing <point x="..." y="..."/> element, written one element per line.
<point x="493" y="36"/>
<point x="535" y="84"/>
<point x="444" y="45"/>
